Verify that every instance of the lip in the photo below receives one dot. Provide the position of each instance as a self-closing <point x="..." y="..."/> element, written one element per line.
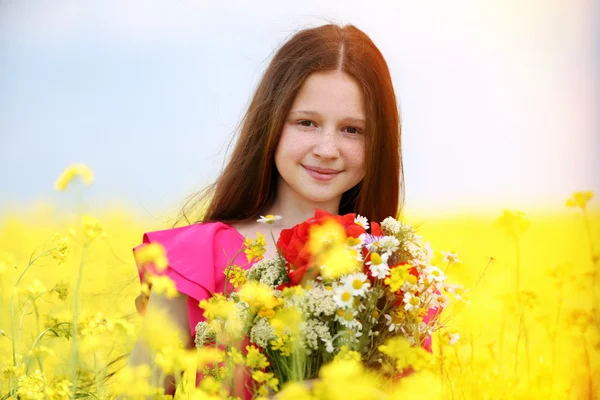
<point x="321" y="174"/>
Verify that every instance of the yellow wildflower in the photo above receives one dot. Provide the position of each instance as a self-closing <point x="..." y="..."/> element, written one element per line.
<point x="328" y="245"/>
<point x="323" y="237"/>
<point x="218" y="307"/>
<point x="59" y="390"/>
<point x="32" y="386"/>
<point x="346" y="354"/>
<point x="405" y="355"/>
<point x="236" y="356"/>
<point x="255" y="359"/>
<point x="62" y="290"/>
<point x="579" y="199"/>
<point x="236" y="275"/>
<point x="255" y="249"/>
<point x="133" y="382"/>
<point x="73" y="171"/>
<point x="295" y="391"/>
<point x="283" y="344"/>
<point x="152" y="253"/>
<point x="398" y="276"/>
<point x="265" y="377"/>
<point x="513" y="222"/>
<point x="287" y="320"/>
<point x="92" y="228"/>
<point x="258" y="295"/>
<point x="163" y="285"/>
<point x="61" y="249"/>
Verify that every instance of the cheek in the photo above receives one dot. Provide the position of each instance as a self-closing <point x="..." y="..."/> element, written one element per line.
<point x="356" y="154"/>
<point x="291" y="146"/>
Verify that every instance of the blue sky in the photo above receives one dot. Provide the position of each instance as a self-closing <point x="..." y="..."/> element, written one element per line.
<point x="499" y="100"/>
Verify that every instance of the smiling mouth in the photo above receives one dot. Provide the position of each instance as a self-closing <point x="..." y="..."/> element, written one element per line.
<point x="321" y="174"/>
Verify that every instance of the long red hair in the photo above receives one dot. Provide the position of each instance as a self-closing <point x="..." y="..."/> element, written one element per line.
<point x="248" y="182"/>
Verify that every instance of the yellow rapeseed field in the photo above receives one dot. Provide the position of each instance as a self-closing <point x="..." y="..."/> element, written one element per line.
<point x="529" y="330"/>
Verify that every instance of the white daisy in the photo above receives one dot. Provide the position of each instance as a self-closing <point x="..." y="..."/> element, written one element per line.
<point x="328" y="345"/>
<point x="454" y="337"/>
<point x="456" y="290"/>
<point x="389" y="244"/>
<point x="357" y="282"/>
<point x="439" y="300"/>
<point x="343" y="296"/>
<point x="411" y="302"/>
<point x="434" y="274"/>
<point x="429" y="251"/>
<point x="389" y="322"/>
<point x="361" y="221"/>
<point x="268" y="219"/>
<point x="348" y="319"/>
<point x="379" y="271"/>
<point x="451" y="257"/>
<point x="378" y="265"/>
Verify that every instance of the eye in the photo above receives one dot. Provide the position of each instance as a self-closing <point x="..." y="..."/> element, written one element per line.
<point x="353" y="130"/>
<point x="306" y="123"/>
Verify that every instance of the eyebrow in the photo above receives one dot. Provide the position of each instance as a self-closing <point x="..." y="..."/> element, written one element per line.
<point x="316" y="114"/>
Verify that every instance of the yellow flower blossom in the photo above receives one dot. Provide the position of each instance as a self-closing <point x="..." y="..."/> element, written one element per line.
<point x="218" y="307"/>
<point x="62" y="290"/>
<point x="32" y="386"/>
<point x="513" y="222"/>
<point x="295" y="391"/>
<point x="405" y="355"/>
<point x="133" y="382"/>
<point x="92" y="228"/>
<point x="61" y="248"/>
<point x="73" y="171"/>
<point x="287" y="320"/>
<point x="255" y="359"/>
<point x="398" y="275"/>
<point x="152" y="253"/>
<point x="163" y="285"/>
<point x="328" y="245"/>
<point x="579" y="199"/>
<point x="255" y="249"/>
<point x="258" y="295"/>
<point x="283" y="344"/>
<point x="236" y="275"/>
<point x="236" y="356"/>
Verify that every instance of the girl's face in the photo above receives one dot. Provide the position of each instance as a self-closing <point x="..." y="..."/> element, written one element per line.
<point x="321" y="152"/>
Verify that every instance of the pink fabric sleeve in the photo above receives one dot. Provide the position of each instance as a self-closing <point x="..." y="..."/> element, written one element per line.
<point x="197" y="258"/>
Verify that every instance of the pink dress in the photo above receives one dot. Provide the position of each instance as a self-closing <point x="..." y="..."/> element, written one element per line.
<point x="197" y="258"/>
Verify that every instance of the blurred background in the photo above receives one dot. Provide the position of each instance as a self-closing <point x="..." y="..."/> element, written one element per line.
<point x="499" y="98"/>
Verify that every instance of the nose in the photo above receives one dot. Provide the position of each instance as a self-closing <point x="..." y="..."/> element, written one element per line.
<point x="327" y="146"/>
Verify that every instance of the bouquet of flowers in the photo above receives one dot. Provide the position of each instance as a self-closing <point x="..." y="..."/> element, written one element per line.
<point x="340" y="285"/>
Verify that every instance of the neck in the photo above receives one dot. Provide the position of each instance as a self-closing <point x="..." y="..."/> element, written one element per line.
<point x="295" y="209"/>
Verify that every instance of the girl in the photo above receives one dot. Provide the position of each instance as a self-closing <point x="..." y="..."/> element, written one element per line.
<point x="322" y="131"/>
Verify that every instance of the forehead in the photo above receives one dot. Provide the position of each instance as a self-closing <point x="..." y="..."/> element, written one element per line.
<point x="332" y="93"/>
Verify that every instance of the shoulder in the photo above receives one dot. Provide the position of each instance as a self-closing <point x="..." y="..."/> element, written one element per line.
<point x="196" y="255"/>
<point x="194" y="235"/>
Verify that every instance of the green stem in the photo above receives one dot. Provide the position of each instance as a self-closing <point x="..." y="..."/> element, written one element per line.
<point x="32" y="260"/>
<point x="74" y="327"/>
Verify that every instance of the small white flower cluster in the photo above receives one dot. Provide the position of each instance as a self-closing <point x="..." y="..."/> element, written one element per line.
<point x="268" y="271"/>
<point x="319" y="302"/>
<point x="390" y="226"/>
<point x="312" y="333"/>
<point x="204" y="334"/>
<point x="262" y="332"/>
